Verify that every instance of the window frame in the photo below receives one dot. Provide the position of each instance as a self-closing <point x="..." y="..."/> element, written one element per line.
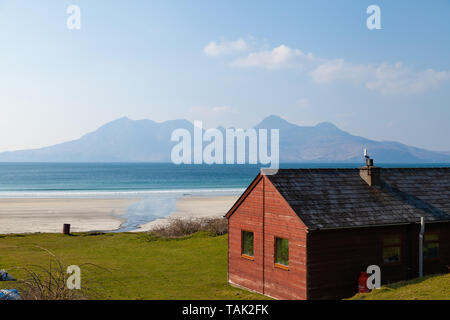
<point x="399" y="245"/>
<point x="276" y="264"/>
<point x="431" y="241"/>
<point x="244" y="255"/>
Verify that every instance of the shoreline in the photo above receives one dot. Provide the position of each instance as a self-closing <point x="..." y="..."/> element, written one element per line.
<point x="47" y="215"/>
<point x="116" y="194"/>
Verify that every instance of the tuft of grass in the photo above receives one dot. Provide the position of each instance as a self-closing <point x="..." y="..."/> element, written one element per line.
<point x="50" y="282"/>
<point x="434" y="287"/>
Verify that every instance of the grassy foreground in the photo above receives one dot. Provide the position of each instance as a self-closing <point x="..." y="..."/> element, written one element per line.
<point x="138" y="266"/>
<point x="427" y="288"/>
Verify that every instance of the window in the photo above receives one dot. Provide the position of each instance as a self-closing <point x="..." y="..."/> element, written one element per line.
<point x="281" y="252"/>
<point x="431" y="246"/>
<point x="247" y="243"/>
<point x="392" y="249"/>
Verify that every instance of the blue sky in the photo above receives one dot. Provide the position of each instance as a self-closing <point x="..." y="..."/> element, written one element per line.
<point x="225" y="62"/>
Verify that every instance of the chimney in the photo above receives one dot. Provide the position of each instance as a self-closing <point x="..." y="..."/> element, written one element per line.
<point x="369" y="173"/>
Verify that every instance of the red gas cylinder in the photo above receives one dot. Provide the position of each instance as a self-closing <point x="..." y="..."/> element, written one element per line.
<point x="362" y="283"/>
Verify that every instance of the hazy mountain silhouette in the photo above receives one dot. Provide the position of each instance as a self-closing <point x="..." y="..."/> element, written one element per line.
<point x="327" y="143"/>
<point x="126" y="140"/>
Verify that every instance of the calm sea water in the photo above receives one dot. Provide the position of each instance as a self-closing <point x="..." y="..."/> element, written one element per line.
<point x="157" y="185"/>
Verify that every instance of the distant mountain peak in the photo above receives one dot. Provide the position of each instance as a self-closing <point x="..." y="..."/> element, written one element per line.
<point x="326" y="125"/>
<point x="121" y="119"/>
<point x="127" y="140"/>
<point x="275" y="122"/>
<point x="274" y="117"/>
<point x="115" y="123"/>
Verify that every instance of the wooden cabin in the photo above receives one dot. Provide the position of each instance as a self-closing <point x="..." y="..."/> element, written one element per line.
<point x="308" y="233"/>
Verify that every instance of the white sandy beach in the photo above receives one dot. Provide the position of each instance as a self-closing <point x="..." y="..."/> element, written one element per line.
<point x="49" y="215"/>
<point x="195" y="207"/>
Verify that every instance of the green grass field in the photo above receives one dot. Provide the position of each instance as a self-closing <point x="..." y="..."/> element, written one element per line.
<point x="139" y="267"/>
<point x="427" y="288"/>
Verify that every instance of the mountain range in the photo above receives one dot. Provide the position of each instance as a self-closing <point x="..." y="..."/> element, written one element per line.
<point x="126" y="140"/>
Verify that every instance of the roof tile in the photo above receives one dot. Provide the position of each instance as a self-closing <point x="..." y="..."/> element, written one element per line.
<point x="339" y="198"/>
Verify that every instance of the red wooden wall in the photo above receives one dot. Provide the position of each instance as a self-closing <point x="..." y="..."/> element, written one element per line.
<point x="248" y="217"/>
<point x="264" y="206"/>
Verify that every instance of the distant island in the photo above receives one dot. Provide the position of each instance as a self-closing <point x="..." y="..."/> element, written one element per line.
<point x="126" y="140"/>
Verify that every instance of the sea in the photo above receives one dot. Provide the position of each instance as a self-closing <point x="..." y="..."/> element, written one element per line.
<point x="157" y="185"/>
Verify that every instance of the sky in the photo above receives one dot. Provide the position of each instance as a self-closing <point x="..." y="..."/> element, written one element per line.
<point x="229" y="63"/>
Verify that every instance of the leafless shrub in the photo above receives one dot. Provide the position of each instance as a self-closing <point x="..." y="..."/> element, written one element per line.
<point x="179" y="227"/>
<point x="50" y="283"/>
<point x="218" y="226"/>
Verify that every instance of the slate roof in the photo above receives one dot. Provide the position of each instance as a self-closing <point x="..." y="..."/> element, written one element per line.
<point x="339" y="198"/>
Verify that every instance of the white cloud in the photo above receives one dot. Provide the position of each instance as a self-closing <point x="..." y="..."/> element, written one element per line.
<point x="398" y="79"/>
<point x="214" y="49"/>
<point x="388" y="79"/>
<point x="337" y="70"/>
<point x="279" y="57"/>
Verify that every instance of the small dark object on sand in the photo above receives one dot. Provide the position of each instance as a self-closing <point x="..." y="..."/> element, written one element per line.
<point x="66" y="228"/>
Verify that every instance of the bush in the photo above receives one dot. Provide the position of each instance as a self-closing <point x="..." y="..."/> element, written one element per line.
<point x="179" y="227"/>
<point x="50" y="283"/>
